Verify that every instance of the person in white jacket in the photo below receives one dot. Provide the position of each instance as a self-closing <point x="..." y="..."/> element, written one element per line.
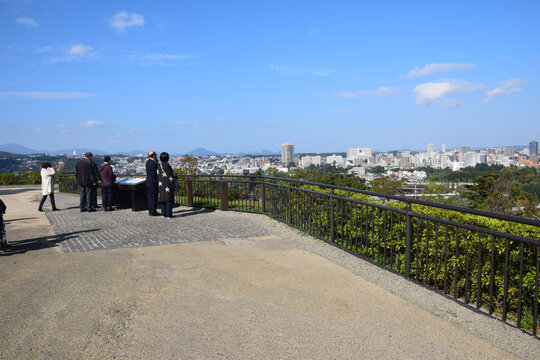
<point x="47" y="185"/>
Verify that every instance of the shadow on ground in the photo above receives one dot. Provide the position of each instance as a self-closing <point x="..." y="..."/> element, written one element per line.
<point x="39" y="243"/>
<point x="19" y="219"/>
<point x="194" y="211"/>
<point x="5" y="191"/>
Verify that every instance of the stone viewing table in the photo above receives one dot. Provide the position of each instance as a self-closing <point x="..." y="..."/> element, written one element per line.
<point x="131" y="193"/>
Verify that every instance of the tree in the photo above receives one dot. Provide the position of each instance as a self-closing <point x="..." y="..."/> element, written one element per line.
<point x="188" y="166"/>
<point x="388" y="185"/>
<point x="500" y="194"/>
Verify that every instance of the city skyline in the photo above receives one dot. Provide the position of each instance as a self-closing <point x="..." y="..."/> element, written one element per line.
<point x="246" y="77"/>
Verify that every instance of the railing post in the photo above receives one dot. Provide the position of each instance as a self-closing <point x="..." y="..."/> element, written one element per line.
<point x="263" y="196"/>
<point x="332" y="236"/>
<point x="224" y="196"/>
<point x="289" y="218"/>
<point x="189" y="191"/>
<point x="408" y="231"/>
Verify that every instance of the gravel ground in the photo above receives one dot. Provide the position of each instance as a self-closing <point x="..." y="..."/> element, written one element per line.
<point x="504" y="335"/>
<point x="257" y="289"/>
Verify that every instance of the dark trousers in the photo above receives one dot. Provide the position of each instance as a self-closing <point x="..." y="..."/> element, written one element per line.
<point x="94" y="196"/>
<point x="53" y="205"/>
<point x="106" y="197"/>
<point x="152" y="194"/>
<point x="166" y="208"/>
<point x="86" y="200"/>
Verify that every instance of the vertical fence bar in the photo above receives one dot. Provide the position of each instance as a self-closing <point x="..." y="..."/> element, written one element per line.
<point x="289" y="217"/>
<point x="436" y="254"/>
<point x="379" y="235"/>
<point x="332" y="236"/>
<point x="520" y="286"/>
<point x="467" y="273"/>
<point x="417" y="249"/>
<point x="445" y="256"/>
<point x="479" y="287"/>
<point x="427" y="252"/>
<point x="537" y="285"/>
<point x="456" y="263"/>
<point x="341" y="230"/>
<point x="505" y="295"/>
<point x="408" y="240"/>
<point x="492" y="274"/>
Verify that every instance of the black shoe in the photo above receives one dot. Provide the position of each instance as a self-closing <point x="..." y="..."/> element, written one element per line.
<point x="56" y="209"/>
<point x="83" y="210"/>
<point x="40" y="210"/>
<point x="92" y="210"/>
<point x="111" y="209"/>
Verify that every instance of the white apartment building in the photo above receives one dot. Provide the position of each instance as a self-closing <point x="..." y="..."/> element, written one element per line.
<point x="310" y="160"/>
<point x="355" y="152"/>
<point x="337" y="159"/>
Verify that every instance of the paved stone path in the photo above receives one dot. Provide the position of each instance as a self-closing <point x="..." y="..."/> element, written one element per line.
<point x="125" y="229"/>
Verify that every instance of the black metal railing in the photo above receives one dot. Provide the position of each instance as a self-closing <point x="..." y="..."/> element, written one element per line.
<point x="483" y="260"/>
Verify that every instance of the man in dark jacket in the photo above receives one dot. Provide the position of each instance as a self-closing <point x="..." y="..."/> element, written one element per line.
<point x="107" y="182"/>
<point x="152" y="183"/>
<point x="94" y="188"/>
<point x="87" y="179"/>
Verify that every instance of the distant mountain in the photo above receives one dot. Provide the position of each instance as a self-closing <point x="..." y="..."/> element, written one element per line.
<point x="19" y="149"/>
<point x="201" y="152"/>
<point x="79" y="151"/>
<point x="258" y="153"/>
<point x="130" y="152"/>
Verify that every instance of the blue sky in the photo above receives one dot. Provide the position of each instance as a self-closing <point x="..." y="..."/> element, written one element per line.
<point x="235" y="76"/>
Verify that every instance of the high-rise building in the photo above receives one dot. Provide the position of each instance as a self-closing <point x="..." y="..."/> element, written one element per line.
<point x="443" y="148"/>
<point x="287" y="154"/>
<point x="430" y="148"/>
<point x="508" y="151"/>
<point x="533" y="148"/>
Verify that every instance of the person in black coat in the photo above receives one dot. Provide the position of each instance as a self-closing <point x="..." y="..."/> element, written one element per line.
<point x="152" y="183"/>
<point x="166" y="185"/>
<point x="87" y="180"/>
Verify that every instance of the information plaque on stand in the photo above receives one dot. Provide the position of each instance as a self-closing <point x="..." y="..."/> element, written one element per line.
<point x="131" y="193"/>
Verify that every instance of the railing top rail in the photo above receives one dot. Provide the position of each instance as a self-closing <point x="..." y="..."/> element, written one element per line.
<point x="511" y="218"/>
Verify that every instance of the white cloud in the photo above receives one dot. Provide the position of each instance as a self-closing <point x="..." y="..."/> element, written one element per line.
<point x="381" y="91"/>
<point x="301" y="70"/>
<point x="313" y="31"/>
<point x="506" y="87"/>
<point x="429" y="69"/>
<point x="28" y="22"/>
<point x="436" y="92"/>
<point x="92" y="124"/>
<point x="55" y="95"/>
<point x="123" y="20"/>
<point x="182" y="123"/>
<point x="79" y="50"/>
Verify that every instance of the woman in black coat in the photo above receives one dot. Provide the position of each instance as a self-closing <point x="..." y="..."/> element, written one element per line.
<point x="166" y="182"/>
